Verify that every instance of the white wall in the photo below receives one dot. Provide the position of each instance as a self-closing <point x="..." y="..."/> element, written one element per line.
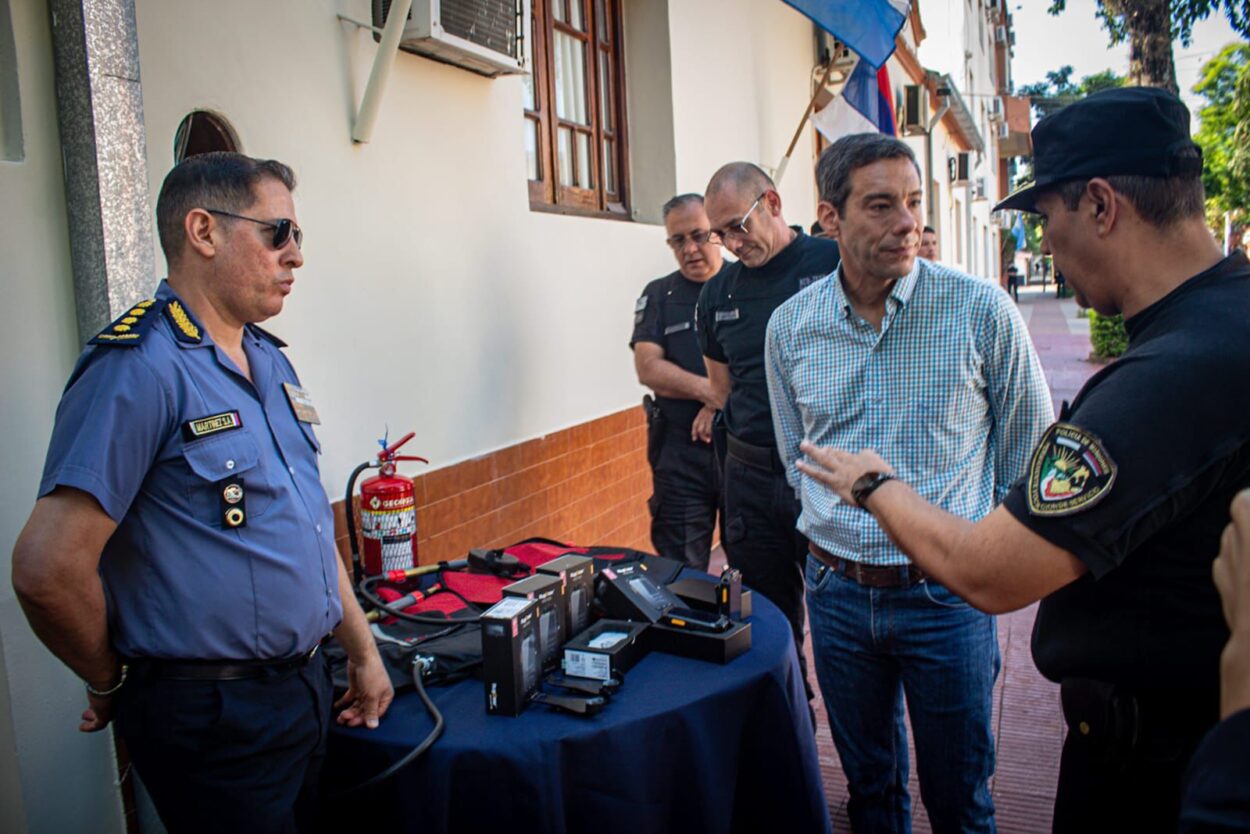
<point x="52" y="778"/>
<point x="496" y="323"/>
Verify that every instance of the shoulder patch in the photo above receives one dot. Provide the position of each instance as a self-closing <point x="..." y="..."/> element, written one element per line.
<point x="641" y="303"/>
<point x="263" y="333"/>
<point x="185" y="328"/>
<point x="1070" y="471"/>
<point x="131" y="326"/>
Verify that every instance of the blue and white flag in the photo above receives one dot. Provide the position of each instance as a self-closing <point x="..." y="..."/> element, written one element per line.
<point x="1018" y="231"/>
<point x="865" y="105"/>
<point x="867" y="26"/>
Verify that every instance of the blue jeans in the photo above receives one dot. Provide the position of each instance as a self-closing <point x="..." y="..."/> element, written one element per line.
<point x="872" y="646"/>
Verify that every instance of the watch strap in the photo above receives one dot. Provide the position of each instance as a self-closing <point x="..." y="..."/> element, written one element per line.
<point x="866" y="484"/>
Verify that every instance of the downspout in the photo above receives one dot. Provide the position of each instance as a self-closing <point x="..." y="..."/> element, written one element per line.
<point x="928" y="158"/>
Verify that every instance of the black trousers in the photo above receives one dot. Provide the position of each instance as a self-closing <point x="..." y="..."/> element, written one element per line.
<point x="1122" y="769"/>
<point x="239" y="757"/>
<point x="685" y="497"/>
<point x="762" y="542"/>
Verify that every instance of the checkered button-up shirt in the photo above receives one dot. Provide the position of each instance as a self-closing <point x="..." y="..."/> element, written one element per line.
<point x="950" y="393"/>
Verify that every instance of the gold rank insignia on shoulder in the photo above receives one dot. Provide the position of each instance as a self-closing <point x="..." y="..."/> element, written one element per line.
<point x="1070" y="471"/>
<point x="185" y="328"/>
<point x="130" y="327"/>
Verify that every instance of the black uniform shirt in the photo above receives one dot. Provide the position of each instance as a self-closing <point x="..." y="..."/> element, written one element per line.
<point x="1135" y="480"/>
<point x="732" y="318"/>
<point x="664" y="314"/>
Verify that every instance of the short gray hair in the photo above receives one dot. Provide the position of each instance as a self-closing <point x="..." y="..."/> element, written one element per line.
<point x="220" y="180"/>
<point x="680" y="201"/>
<point x="849" y="154"/>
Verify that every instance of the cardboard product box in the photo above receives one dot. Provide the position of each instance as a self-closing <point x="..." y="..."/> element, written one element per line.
<point x="700" y="645"/>
<point x="577" y="573"/>
<point x="703" y="596"/>
<point x="606" y="650"/>
<point x="548" y="592"/>
<point x="628" y="593"/>
<point x="511" y="663"/>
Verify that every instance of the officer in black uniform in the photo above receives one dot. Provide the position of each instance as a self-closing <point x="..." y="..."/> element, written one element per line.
<point x="684" y="471"/>
<point x="775" y="261"/>
<point x="1117" y="522"/>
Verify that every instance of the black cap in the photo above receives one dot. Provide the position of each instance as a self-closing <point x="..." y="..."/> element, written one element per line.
<point x="1130" y="130"/>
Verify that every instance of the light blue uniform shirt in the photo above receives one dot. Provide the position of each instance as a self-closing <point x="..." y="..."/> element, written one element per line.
<point x="950" y="393"/>
<point x="178" y="581"/>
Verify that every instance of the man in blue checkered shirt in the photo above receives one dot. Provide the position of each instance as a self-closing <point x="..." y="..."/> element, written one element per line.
<point x="934" y="369"/>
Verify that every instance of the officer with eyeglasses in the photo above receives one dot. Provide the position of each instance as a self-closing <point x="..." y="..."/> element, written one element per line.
<point x="180" y="557"/>
<point x="775" y="261"/>
<point x="684" y="472"/>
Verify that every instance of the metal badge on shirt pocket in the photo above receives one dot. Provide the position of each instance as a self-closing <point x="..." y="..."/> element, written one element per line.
<point x="233" y="502"/>
<point x="301" y="404"/>
<point x="212" y="424"/>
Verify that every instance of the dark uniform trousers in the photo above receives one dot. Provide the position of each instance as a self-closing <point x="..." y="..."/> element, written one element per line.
<point x="761" y="539"/>
<point x="229" y="756"/>
<point x="685" y="495"/>
<point x="1125" y="756"/>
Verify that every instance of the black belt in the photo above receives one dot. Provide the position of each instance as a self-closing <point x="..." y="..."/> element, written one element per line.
<point x="874" y="576"/>
<point x="760" y="457"/>
<point x="216" y="670"/>
<point x="1137" y="720"/>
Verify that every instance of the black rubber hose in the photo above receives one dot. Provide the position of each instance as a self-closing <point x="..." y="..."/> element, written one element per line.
<point x="366" y="590"/>
<point x="419" y="667"/>
<point x="350" y="512"/>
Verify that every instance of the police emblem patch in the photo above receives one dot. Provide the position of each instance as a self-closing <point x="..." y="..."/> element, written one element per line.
<point x="1070" y="471"/>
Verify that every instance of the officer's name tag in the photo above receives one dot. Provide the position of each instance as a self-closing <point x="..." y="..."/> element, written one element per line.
<point x="728" y="315"/>
<point x="301" y="404"/>
<point x="676" y="328"/>
<point x="212" y="424"/>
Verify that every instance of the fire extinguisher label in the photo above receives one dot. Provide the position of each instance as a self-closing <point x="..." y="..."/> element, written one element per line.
<point x="391" y="530"/>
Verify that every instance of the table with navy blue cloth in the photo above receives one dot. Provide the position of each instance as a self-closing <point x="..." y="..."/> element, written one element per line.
<point x="685" y="746"/>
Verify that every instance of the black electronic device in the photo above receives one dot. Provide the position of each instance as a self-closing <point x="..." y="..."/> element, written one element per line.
<point x="548" y="592"/>
<point x="715" y="647"/>
<point x="577" y="573"/>
<point x="704" y="595"/>
<point x="627" y="593"/>
<point x="690" y="620"/>
<point x="511" y="664"/>
<point x="584" y="707"/>
<point x="606" y="650"/>
<point x="588" y="686"/>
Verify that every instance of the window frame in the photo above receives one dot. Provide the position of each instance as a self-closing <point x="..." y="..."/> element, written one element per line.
<point x="546" y="193"/>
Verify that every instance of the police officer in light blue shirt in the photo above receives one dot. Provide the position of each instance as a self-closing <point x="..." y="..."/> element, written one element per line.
<point x="181" y="555"/>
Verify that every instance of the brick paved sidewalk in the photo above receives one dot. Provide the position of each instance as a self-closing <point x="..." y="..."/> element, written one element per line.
<point x="1027" y="722"/>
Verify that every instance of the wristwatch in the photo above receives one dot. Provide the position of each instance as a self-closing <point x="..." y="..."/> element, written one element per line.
<point x="866" y="485"/>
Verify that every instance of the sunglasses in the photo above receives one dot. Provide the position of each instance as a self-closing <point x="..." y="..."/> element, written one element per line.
<point x="283" y="230"/>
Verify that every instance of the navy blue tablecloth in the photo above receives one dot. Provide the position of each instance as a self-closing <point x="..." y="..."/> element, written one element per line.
<point x="685" y="746"/>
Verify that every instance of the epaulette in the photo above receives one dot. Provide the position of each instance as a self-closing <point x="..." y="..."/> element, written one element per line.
<point x="130" y="327"/>
<point x="260" y="331"/>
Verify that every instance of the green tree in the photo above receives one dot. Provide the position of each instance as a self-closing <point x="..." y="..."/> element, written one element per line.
<point x="1149" y="27"/>
<point x="1224" y="133"/>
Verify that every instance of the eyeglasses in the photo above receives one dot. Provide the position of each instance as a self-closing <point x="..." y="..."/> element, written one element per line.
<point x="678" y="242"/>
<point x="283" y="230"/>
<point x="738" y="229"/>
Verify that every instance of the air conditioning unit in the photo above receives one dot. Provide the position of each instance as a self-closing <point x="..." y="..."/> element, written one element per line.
<point x="483" y="36"/>
<point x="1000" y="34"/>
<point x="995" y="112"/>
<point x="915" y="110"/>
<point x="979" y="189"/>
<point x="959" y="167"/>
<point x="1004" y="130"/>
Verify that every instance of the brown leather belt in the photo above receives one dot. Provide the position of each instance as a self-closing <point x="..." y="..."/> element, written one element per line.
<point x="873" y="576"/>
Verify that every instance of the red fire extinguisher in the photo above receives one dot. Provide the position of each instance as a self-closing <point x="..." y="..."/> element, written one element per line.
<point x="388" y="514"/>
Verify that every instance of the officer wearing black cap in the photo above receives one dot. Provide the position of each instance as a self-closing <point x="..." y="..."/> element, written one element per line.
<point x="1118" y="520"/>
<point x="684" y="472"/>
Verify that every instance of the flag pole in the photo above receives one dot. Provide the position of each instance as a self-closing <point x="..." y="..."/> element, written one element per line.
<point x="811" y="105"/>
